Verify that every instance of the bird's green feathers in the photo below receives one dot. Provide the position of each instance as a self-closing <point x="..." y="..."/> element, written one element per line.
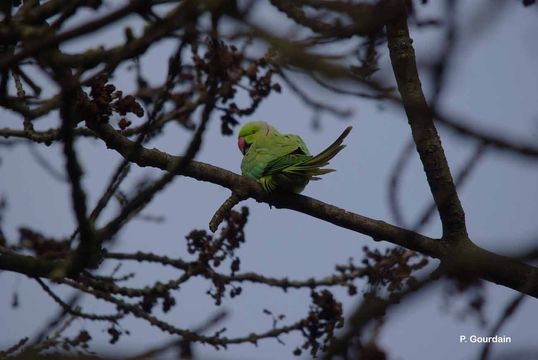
<point x="282" y="161"/>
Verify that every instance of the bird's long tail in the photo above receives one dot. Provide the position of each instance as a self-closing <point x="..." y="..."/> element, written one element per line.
<point x="313" y="167"/>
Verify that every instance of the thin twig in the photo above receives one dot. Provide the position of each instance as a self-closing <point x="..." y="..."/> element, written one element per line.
<point x="186" y="334"/>
<point x="14" y="348"/>
<point x="508" y="312"/>
<point x="152" y="353"/>
<point x="234" y="199"/>
<point x="395" y="178"/>
<point x="87" y="251"/>
<point x="460" y="179"/>
<point x="75" y="311"/>
<point x="57" y="319"/>
<point x="252" y="277"/>
<point x="314" y="104"/>
<point x="27" y="123"/>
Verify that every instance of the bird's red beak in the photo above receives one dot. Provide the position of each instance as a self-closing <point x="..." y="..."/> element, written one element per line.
<point x="241" y="144"/>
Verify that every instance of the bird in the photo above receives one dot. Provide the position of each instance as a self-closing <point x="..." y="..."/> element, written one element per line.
<point x="282" y="162"/>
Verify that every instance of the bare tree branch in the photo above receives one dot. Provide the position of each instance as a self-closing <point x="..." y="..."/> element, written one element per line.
<point x="508" y="312"/>
<point x="423" y="129"/>
<point x="471" y="258"/>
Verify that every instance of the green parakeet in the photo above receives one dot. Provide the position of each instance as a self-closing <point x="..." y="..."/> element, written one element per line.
<point x="282" y="161"/>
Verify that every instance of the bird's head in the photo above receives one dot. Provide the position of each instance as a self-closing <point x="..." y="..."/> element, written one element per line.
<point x="250" y="132"/>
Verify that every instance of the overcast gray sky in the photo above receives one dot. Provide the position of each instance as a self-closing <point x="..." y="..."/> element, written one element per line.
<point x="494" y="82"/>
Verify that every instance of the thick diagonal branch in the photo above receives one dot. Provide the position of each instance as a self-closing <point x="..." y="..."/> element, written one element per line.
<point x="425" y="134"/>
<point x="467" y="259"/>
<point x="470" y="259"/>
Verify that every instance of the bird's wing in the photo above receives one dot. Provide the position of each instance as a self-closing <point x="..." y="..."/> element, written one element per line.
<point x="285" y="163"/>
<point x="269" y="153"/>
<point x="298" y="163"/>
<point x="289" y="150"/>
<point x="295" y="139"/>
